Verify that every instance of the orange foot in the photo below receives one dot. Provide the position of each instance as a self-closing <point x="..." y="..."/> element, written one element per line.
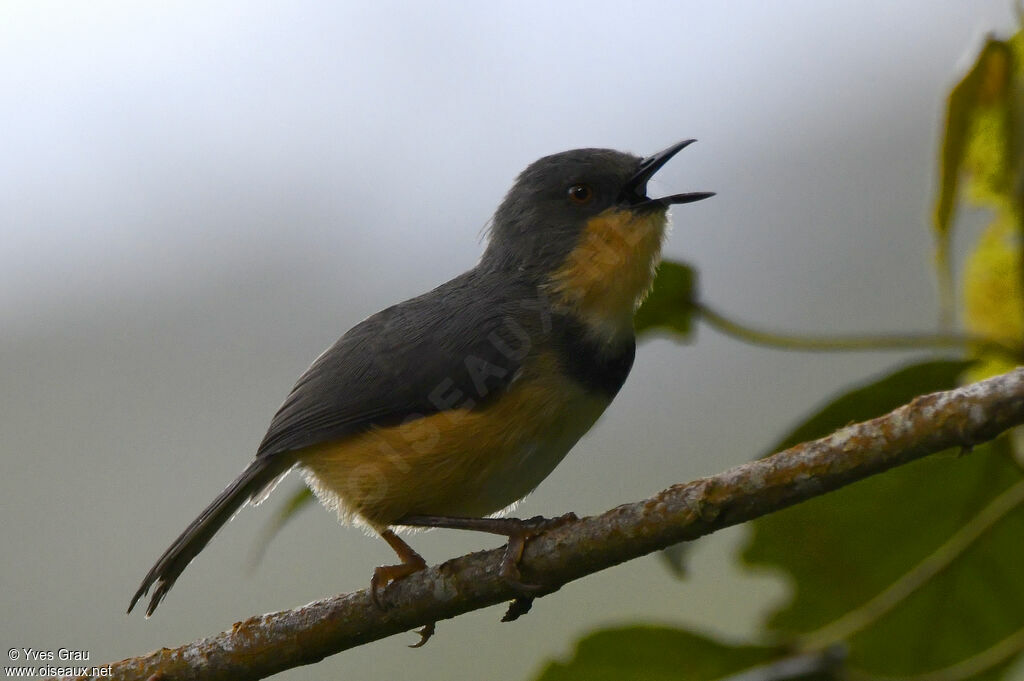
<point x="385" y="574"/>
<point x="518" y="531"/>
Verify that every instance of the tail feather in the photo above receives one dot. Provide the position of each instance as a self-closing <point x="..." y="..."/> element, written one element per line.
<point x="249" y="486"/>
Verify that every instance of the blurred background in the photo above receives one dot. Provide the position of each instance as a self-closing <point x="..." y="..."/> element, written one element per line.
<point x="197" y="198"/>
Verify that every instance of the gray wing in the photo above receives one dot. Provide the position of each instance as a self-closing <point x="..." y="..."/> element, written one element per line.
<point x="459" y="345"/>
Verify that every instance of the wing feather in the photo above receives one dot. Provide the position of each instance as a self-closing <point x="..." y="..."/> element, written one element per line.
<point x="458" y="345"/>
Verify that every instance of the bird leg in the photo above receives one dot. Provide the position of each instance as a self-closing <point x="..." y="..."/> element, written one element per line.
<point x="385" y="574"/>
<point x="519" y="531"/>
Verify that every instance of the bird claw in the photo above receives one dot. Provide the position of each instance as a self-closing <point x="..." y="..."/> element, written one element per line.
<point x="518" y="531"/>
<point x="509" y="570"/>
<point x="425" y="632"/>
<point x="384" y="575"/>
<point x="526" y="592"/>
<point x="517" y="608"/>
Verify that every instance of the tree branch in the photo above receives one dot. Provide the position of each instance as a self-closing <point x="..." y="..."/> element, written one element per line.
<point x="267" y="644"/>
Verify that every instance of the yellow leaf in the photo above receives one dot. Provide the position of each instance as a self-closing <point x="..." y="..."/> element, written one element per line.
<point x="994" y="291"/>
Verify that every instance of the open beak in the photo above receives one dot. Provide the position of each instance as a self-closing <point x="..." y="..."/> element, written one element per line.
<point x="634" y="193"/>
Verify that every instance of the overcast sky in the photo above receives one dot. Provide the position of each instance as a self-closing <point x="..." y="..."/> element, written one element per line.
<point x="197" y="197"/>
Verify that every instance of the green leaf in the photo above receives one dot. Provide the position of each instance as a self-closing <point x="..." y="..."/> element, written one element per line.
<point x="299" y="499"/>
<point x="648" y="653"/>
<point x="670" y="303"/>
<point x="865" y="548"/>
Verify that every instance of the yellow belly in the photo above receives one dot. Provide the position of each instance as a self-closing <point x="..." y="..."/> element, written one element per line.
<point x="460" y="462"/>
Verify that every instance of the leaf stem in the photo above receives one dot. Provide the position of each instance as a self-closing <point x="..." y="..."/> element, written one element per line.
<point x="839" y="343"/>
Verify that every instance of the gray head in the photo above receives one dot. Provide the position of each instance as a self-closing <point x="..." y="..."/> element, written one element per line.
<point x="546" y="211"/>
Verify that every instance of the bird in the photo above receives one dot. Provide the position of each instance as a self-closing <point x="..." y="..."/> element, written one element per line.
<point x="445" y="410"/>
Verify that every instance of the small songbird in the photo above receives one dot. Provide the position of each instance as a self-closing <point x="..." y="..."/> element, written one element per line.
<point x="452" y="406"/>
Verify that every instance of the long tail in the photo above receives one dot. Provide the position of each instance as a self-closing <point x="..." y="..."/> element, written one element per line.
<point x="249" y="486"/>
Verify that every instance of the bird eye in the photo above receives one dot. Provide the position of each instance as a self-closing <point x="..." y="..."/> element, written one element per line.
<point x="580" y="194"/>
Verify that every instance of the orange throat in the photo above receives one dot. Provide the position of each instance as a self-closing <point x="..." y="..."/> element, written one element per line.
<point x="610" y="271"/>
